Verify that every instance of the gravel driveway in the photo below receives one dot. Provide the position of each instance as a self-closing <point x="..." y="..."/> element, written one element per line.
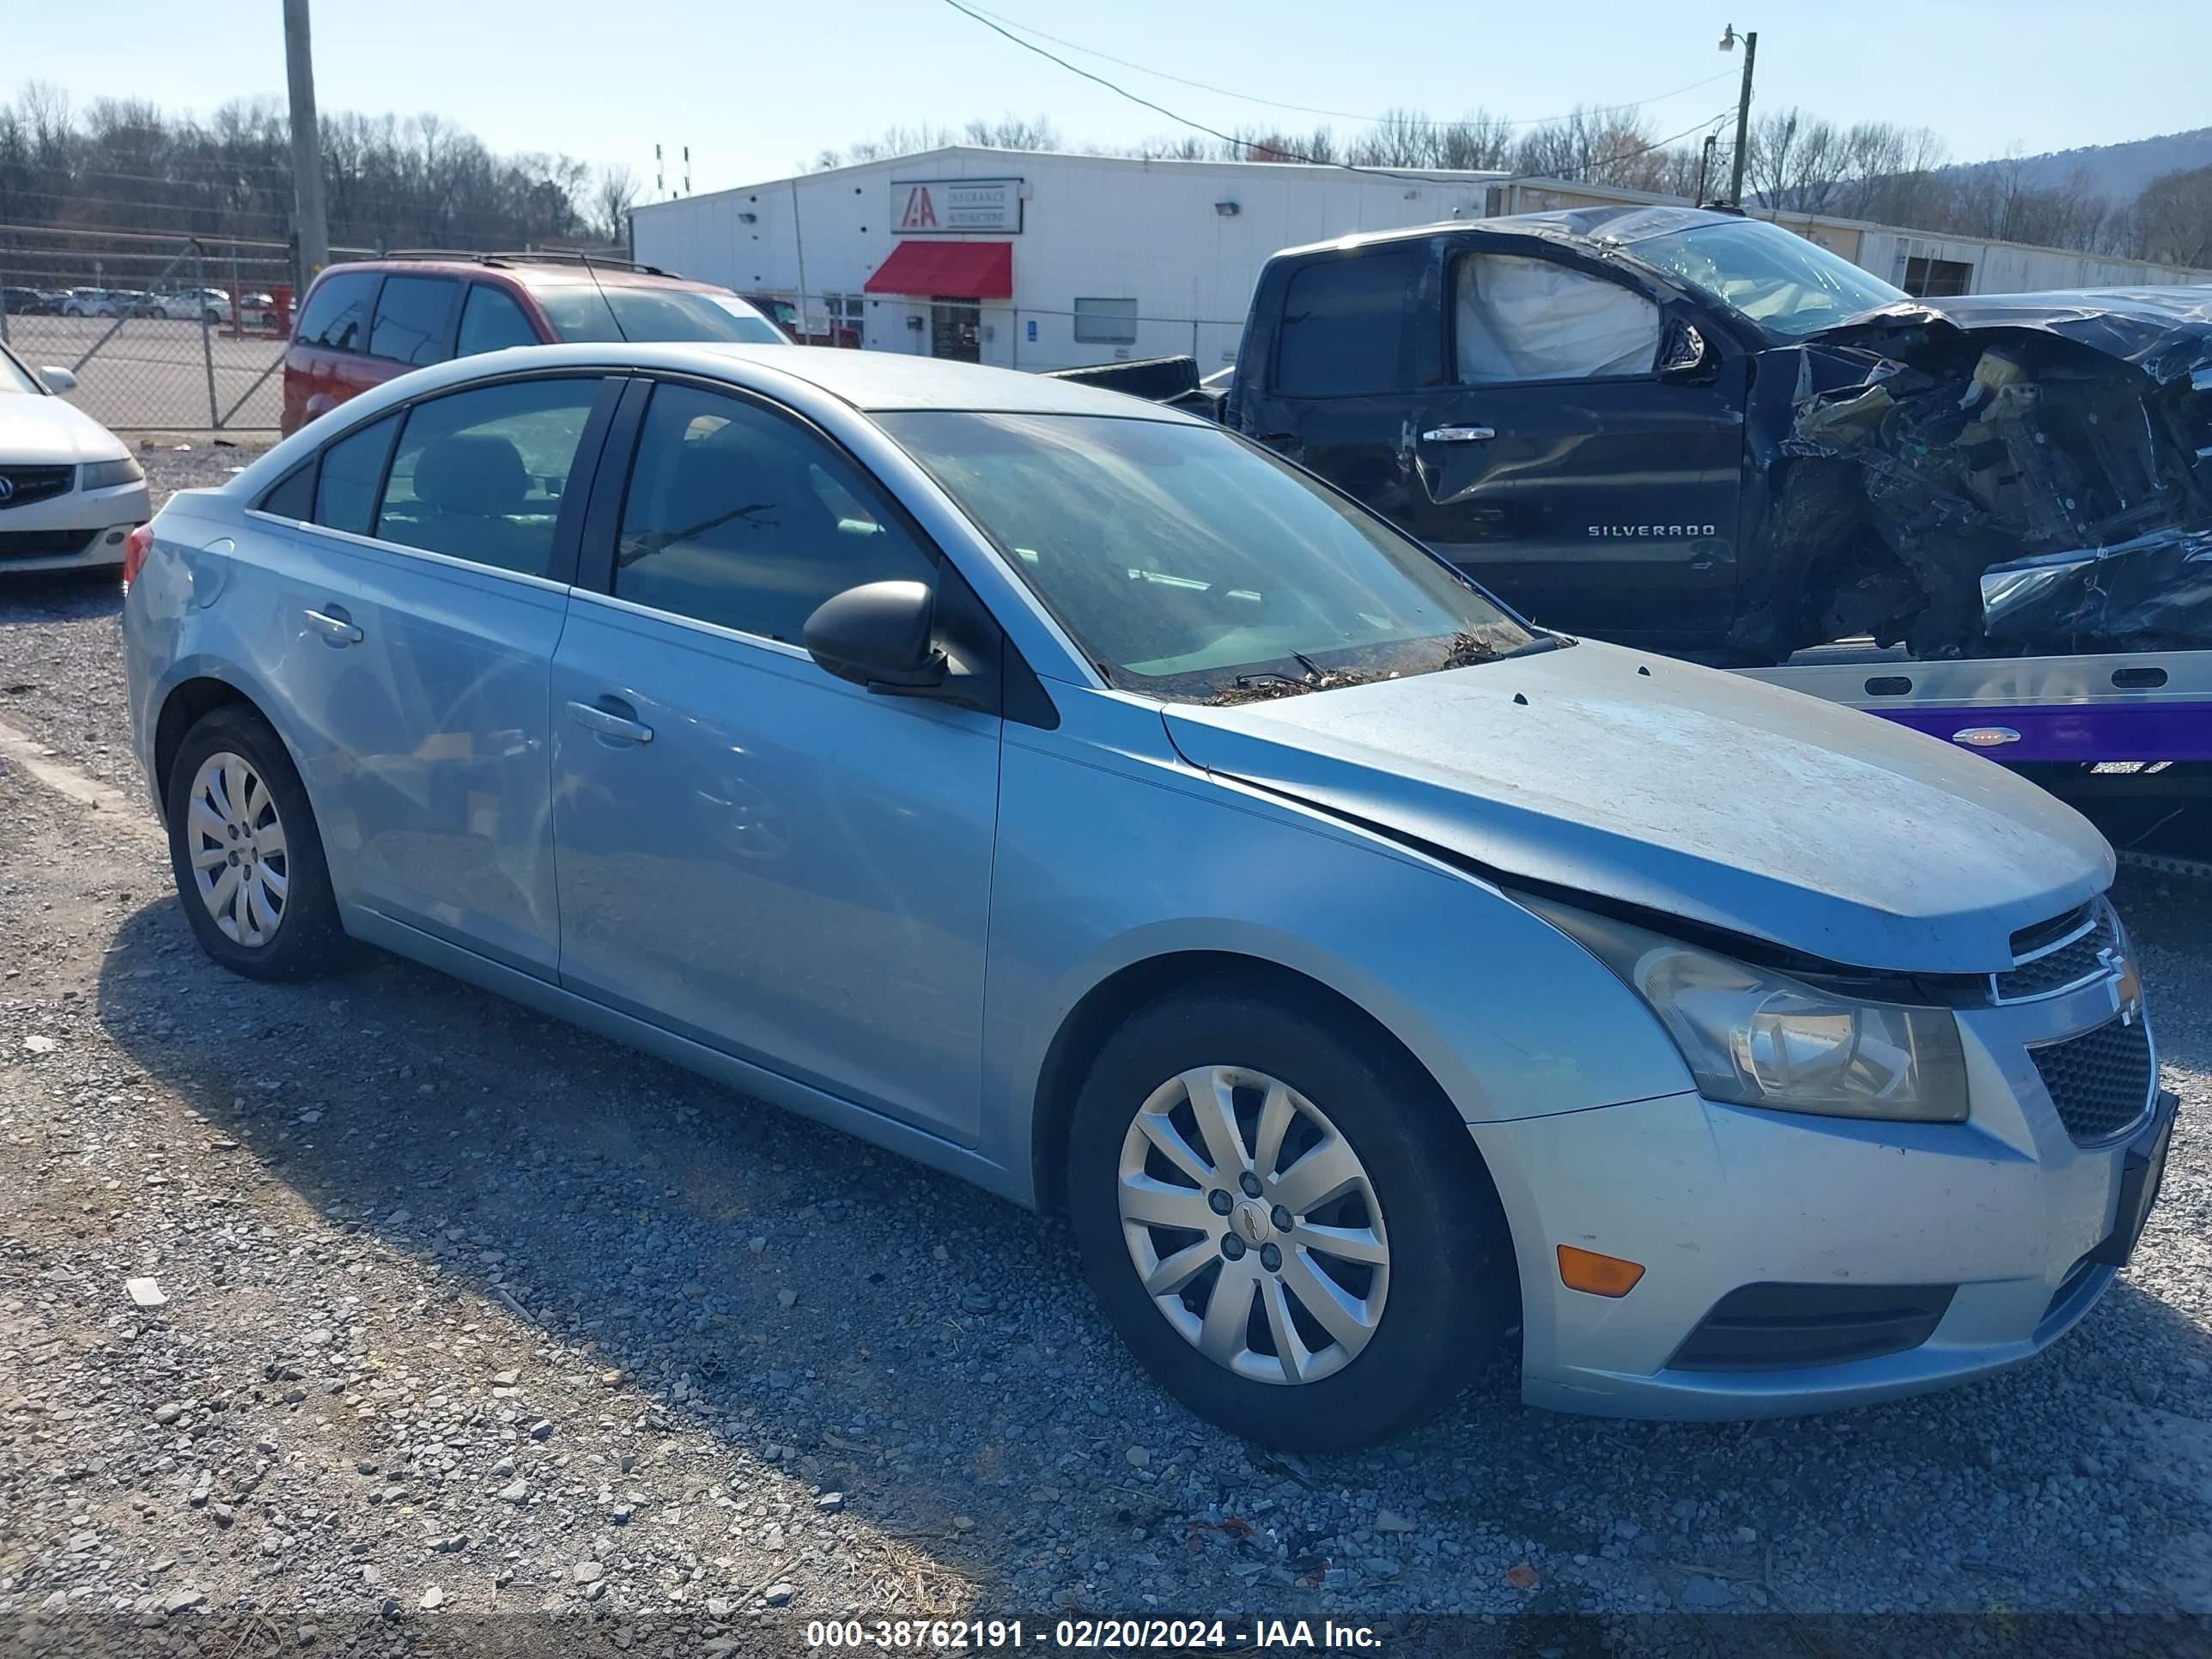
<point x="467" y="1313"/>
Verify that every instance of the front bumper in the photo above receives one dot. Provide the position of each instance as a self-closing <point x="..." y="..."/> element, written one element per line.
<point x="1711" y="1198"/>
<point x="80" y="529"/>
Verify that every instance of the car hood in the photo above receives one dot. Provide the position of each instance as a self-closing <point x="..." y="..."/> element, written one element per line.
<point x="2164" y="331"/>
<point x="43" y="431"/>
<point x="1685" y="791"/>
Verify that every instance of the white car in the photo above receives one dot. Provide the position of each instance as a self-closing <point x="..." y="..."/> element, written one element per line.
<point x="90" y="302"/>
<point x="70" y="492"/>
<point x="192" y="304"/>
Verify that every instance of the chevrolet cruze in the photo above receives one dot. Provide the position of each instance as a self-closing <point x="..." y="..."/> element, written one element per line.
<point x="1076" y="797"/>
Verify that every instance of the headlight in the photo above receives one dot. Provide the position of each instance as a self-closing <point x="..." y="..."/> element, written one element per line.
<point x="1755" y="1037"/>
<point x="105" y="474"/>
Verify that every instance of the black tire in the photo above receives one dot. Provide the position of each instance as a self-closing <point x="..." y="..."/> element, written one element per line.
<point x="1453" y="1291"/>
<point x="307" y="938"/>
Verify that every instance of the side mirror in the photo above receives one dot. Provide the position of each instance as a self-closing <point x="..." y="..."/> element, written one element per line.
<point x="878" y="635"/>
<point x="1685" y="355"/>
<point x="57" y="379"/>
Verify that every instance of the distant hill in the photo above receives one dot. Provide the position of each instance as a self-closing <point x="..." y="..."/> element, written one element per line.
<point x="2116" y="171"/>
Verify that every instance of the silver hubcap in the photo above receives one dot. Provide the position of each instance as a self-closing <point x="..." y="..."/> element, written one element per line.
<point x="1253" y="1225"/>
<point x="235" y="843"/>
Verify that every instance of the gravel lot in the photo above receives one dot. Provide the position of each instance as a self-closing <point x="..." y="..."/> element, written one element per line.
<point x="469" y="1313"/>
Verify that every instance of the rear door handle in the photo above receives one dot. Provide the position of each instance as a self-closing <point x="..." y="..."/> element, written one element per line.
<point x="609" y="724"/>
<point x="1459" y="435"/>
<point x="335" y="625"/>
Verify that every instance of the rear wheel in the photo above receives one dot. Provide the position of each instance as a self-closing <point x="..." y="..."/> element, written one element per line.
<point x="246" y="853"/>
<point x="1285" y="1219"/>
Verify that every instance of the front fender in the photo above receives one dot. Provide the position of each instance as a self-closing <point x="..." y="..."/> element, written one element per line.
<point x="1113" y="853"/>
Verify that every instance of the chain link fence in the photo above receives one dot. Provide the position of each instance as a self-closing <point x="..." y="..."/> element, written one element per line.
<point x="163" y="333"/>
<point x="187" y="334"/>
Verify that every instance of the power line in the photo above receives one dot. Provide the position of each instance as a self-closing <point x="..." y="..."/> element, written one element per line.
<point x="1427" y="178"/>
<point x="1338" y="114"/>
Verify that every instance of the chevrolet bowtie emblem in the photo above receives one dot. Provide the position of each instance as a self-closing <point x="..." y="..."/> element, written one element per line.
<point x="2126" y="984"/>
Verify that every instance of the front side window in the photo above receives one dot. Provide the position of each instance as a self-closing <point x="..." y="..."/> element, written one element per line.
<point x="346" y="489"/>
<point x="1191" y="566"/>
<point x="491" y="321"/>
<point x="479" y="475"/>
<point x="1518" y="318"/>
<point x="617" y="311"/>
<point x="415" y="320"/>
<point x="741" y="518"/>
<point x="337" y="313"/>
<point x="1344" y="325"/>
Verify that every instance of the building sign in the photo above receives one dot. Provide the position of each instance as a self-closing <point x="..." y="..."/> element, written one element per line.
<point x="939" y="207"/>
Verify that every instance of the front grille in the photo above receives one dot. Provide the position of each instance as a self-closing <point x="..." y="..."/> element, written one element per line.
<point x="2100" y="1081"/>
<point x="42" y="543"/>
<point x="1769" y="1327"/>
<point x="2060" y="966"/>
<point x="35" y="483"/>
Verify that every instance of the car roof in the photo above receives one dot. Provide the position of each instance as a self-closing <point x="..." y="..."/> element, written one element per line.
<point x="521" y="269"/>
<point x="1621" y="225"/>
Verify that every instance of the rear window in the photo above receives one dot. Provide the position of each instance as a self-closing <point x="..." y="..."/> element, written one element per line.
<point x="415" y="319"/>
<point x="1344" y="325"/>
<point x="589" y="312"/>
<point x="337" y="313"/>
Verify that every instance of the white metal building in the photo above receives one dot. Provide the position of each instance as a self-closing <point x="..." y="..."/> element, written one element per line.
<point x="1039" y="260"/>
<point x="1028" y="259"/>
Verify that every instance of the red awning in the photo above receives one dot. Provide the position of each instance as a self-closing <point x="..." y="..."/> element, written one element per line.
<point x="958" y="270"/>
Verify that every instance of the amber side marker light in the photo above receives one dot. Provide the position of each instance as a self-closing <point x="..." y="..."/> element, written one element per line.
<point x="1600" y="1275"/>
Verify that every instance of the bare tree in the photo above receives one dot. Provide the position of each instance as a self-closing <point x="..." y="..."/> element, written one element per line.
<point x="613" y="194"/>
<point x="2173" y="218"/>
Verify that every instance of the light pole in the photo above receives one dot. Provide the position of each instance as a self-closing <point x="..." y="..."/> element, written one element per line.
<point x="310" y="219"/>
<point x="1729" y="38"/>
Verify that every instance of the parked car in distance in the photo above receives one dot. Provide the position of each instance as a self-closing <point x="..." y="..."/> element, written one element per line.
<point x="210" y="304"/>
<point x="1369" y="974"/>
<point x="90" y="302"/>
<point x="31" y="301"/>
<point x="361" y="324"/>
<point x="70" y="490"/>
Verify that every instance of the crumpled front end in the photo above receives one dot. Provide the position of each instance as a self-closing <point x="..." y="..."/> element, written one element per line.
<point x="2029" y="472"/>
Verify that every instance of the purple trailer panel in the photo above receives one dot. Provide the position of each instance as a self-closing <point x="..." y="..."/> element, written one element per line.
<point x="2086" y="732"/>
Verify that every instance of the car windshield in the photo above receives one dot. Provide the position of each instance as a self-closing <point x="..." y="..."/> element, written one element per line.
<point x="1191" y="566"/>
<point x="13" y="377"/>
<point x="1774" y="277"/>
<point x="617" y="311"/>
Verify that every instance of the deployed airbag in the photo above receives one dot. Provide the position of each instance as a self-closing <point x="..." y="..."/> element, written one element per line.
<point x="1531" y="319"/>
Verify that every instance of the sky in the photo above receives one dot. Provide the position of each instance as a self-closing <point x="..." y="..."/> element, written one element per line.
<point x="756" y="90"/>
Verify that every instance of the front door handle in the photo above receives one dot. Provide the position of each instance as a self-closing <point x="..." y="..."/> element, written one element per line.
<point x="609" y="724"/>
<point x="1459" y="435"/>
<point x="335" y="625"/>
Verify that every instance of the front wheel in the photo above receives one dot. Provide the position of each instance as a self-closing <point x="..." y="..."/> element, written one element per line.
<point x="1285" y="1219"/>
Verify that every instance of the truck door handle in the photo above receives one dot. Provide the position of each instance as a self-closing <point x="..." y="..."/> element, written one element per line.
<point x="609" y="724"/>
<point x="1459" y="435"/>
<point x="335" y="625"/>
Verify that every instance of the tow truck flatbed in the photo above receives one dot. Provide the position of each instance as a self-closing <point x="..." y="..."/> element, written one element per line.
<point x="2135" y="706"/>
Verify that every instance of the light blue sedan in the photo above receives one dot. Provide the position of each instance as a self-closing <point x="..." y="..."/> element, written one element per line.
<point x="1068" y="794"/>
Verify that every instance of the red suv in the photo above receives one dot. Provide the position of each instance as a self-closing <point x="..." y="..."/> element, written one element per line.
<point x="365" y="322"/>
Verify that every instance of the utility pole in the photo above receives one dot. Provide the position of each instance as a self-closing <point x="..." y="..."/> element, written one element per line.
<point x="1729" y="38"/>
<point x="310" y="217"/>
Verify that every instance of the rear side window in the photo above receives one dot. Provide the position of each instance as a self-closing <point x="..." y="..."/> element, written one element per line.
<point x="415" y="319"/>
<point x="345" y="495"/>
<point x="1345" y="325"/>
<point x="491" y="321"/>
<point x="293" y="495"/>
<point x="479" y="475"/>
<point x="337" y="313"/>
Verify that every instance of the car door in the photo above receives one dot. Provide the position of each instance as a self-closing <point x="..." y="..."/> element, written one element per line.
<point x="420" y="612"/>
<point x="752" y="854"/>
<point x="1582" y="456"/>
